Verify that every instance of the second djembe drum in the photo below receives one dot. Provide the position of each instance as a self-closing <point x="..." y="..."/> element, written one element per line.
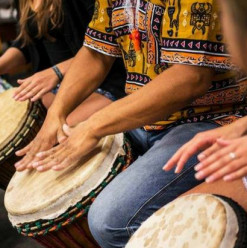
<point x="19" y="123"/>
<point x="194" y="221"/>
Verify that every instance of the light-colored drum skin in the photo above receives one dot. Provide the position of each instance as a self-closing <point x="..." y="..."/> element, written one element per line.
<point x="20" y="122"/>
<point x="53" y="203"/>
<point x="194" y="221"/>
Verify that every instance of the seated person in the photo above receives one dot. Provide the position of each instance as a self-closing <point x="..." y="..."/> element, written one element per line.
<point x="223" y="151"/>
<point x="178" y="71"/>
<point x="50" y="46"/>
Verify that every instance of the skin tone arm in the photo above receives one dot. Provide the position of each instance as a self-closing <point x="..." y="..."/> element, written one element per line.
<point x="35" y="86"/>
<point x="11" y="59"/>
<point x="91" y="68"/>
<point x="215" y="162"/>
<point x="157" y="100"/>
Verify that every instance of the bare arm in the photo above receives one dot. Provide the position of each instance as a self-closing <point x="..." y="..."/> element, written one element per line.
<point x="172" y="90"/>
<point x="87" y="72"/>
<point x="11" y="59"/>
<point x="35" y="86"/>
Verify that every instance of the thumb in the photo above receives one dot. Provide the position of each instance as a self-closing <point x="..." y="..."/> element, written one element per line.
<point x="67" y="130"/>
<point x="61" y="136"/>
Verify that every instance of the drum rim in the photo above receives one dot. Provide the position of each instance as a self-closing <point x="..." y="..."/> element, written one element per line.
<point x="81" y="208"/>
<point x="31" y="118"/>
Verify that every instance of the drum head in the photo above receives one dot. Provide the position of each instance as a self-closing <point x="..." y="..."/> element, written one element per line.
<point x="198" y="220"/>
<point x="33" y="195"/>
<point x="13" y="115"/>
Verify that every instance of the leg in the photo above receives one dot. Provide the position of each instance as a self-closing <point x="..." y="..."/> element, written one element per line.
<point x="234" y="190"/>
<point x="143" y="188"/>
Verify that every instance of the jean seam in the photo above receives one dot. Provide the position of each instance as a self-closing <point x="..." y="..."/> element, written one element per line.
<point x="176" y="179"/>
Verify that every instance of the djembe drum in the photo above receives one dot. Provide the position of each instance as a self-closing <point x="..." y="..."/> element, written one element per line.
<point x="20" y="122"/>
<point x="194" y="221"/>
<point x="50" y="206"/>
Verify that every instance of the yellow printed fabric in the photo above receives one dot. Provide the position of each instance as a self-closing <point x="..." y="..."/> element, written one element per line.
<point x="171" y="32"/>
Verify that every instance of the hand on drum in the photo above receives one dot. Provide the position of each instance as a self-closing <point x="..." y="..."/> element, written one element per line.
<point x="228" y="163"/>
<point x="36" y="86"/>
<point x="80" y="142"/>
<point x="206" y="141"/>
<point x="49" y="135"/>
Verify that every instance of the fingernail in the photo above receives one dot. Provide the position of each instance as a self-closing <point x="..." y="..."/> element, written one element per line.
<point x="198" y="167"/>
<point x="227" y="178"/>
<point x="209" y="179"/>
<point x="40" y="168"/>
<point x="35" y="164"/>
<point x="201" y="156"/>
<point x="17" y="164"/>
<point x="199" y="175"/>
<point x="39" y="155"/>
<point x="177" y="171"/>
<point x="54" y="167"/>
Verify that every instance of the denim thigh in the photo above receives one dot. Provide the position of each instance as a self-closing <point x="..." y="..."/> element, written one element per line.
<point x="143" y="188"/>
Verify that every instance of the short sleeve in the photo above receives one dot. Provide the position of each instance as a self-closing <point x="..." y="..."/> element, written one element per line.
<point x="191" y="34"/>
<point x="24" y="49"/>
<point x="100" y="35"/>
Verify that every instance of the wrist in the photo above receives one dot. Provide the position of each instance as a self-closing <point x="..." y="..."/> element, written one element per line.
<point x="58" y="73"/>
<point x="56" y="113"/>
<point x="96" y="127"/>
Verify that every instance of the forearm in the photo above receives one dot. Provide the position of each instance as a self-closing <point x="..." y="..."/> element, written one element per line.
<point x="86" y="73"/>
<point x="64" y="66"/>
<point x="11" y="59"/>
<point x="167" y="93"/>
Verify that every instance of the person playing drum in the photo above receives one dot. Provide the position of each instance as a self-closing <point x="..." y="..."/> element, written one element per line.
<point x="178" y="75"/>
<point x="223" y="150"/>
<point x="50" y="46"/>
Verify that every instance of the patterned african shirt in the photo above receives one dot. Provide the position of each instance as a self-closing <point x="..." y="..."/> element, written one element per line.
<point x="171" y="32"/>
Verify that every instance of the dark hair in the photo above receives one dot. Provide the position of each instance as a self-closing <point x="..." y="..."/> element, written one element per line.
<point x="48" y="11"/>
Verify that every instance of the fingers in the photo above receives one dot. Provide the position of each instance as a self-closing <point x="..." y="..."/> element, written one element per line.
<point x="175" y="158"/>
<point x="56" y="158"/>
<point x="216" y="163"/>
<point x="23" y="89"/>
<point x="237" y="174"/>
<point x="222" y="171"/>
<point x="30" y="153"/>
<point x="208" y="152"/>
<point x="30" y="94"/>
<point x="188" y="150"/>
<point x="39" y="94"/>
<point x="24" y="150"/>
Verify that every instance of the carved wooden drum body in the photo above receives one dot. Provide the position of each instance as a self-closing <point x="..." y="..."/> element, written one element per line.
<point x="50" y="206"/>
<point x="20" y="122"/>
<point x="194" y="221"/>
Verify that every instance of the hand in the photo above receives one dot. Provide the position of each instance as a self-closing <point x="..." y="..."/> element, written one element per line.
<point x="205" y="140"/>
<point x="229" y="162"/>
<point x="49" y="135"/>
<point x="36" y="86"/>
<point x="80" y="142"/>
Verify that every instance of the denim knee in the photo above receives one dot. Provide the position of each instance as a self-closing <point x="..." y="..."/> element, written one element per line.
<point x="104" y="226"/>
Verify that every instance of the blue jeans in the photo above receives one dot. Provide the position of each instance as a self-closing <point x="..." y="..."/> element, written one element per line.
<point x="144" y="187"/>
